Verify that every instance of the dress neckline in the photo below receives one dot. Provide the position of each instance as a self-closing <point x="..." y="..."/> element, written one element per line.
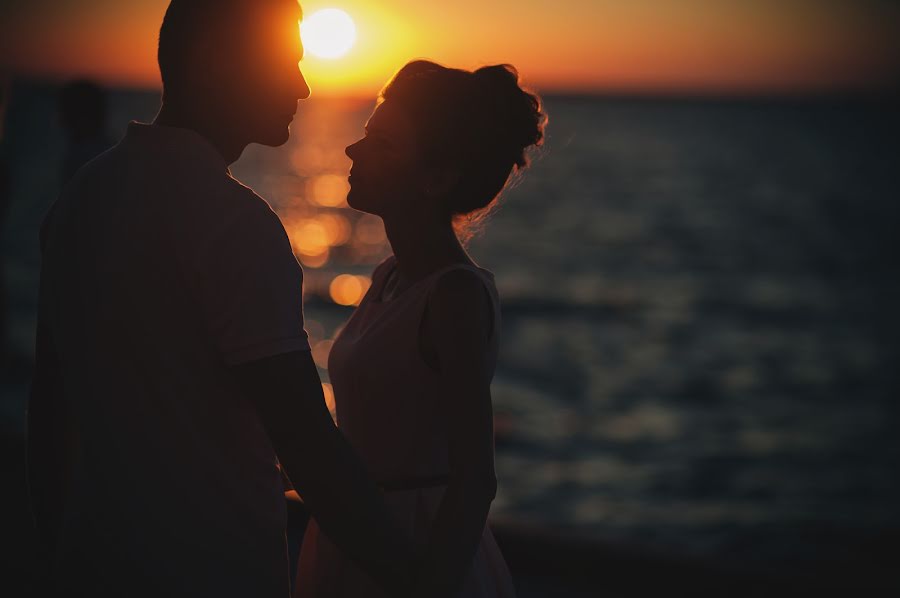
<point x="377" y="299"/>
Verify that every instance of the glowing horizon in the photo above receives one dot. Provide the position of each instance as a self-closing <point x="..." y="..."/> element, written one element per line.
<point x="761" y="46"/>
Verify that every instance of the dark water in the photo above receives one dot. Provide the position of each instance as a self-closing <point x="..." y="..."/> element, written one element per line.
<point x="700" y="343"/>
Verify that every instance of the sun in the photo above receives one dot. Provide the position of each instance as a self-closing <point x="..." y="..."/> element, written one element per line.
<point x="328" y="33"/>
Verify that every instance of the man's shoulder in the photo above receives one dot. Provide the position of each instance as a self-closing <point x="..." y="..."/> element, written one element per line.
<point x="227" y="216"/>
<point x="205" y="201"/>
<point x="243" y="196"/>
<point x="243" y="203"/>
<point x="92" y="180"/>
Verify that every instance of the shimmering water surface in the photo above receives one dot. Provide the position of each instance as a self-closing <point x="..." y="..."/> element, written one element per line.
<point x="700" y="329"/>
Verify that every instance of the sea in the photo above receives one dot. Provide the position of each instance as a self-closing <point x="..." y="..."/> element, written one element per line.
<point x="700" y="298"/>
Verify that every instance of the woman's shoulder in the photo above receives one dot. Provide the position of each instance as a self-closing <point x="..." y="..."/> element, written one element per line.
<point x="462" y="308"/>
<point x="462" y="279"/>
<point x="463" y="289"/>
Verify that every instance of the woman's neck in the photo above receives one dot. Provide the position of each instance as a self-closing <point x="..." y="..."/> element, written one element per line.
<point x="423" y="245"/>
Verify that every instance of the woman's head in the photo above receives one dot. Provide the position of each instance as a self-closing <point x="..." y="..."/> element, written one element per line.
<point x="444" y="140"/>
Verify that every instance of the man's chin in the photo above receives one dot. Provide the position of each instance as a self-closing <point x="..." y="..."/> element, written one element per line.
<point x="275" y="136"/>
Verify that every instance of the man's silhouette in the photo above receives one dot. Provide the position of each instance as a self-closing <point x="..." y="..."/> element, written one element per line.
<point x="172" y="364"/>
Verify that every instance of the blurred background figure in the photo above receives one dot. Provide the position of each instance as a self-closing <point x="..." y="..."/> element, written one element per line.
<point x="4" y="209"/>
<point x="82" y="114"/>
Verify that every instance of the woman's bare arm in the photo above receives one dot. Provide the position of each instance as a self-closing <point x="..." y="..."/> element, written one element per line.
<point x="458" y="322"/>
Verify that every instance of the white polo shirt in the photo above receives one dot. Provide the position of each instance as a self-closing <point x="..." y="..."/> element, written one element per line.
<point x="160" y="270"/>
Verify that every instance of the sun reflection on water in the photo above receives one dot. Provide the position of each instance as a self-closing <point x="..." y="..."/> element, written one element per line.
<point x="315" y="261"/>
<point x="347" y="289"/>
<point x="370" y="230"/>
<point x="328" y="391"/>
<point x="328" y="190"/>
<point x="320" y="353"/>
<point x="337" y="228"/>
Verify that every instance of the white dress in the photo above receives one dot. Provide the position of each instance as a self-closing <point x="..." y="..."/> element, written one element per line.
<point x="386" y="403"/>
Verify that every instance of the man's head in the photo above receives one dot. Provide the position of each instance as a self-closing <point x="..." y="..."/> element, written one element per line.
<point x="235" y="62"/>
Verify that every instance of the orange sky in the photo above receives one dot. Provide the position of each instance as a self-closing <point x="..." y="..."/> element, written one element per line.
<point x="755" y="46"/>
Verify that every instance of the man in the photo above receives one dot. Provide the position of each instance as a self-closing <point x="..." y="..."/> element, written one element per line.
<point x="172" y="364"/>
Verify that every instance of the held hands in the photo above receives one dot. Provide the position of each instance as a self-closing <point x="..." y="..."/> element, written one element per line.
<point x="424" y="583"/>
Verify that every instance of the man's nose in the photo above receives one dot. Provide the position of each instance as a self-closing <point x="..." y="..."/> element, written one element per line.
<point x="302" y="90"/>
<point x="350" y="150"/>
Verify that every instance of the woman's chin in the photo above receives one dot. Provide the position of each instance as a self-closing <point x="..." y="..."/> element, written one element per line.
<point x="275" y="134"/>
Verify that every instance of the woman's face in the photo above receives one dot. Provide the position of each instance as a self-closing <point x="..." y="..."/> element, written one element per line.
<point x="386" y="175"/>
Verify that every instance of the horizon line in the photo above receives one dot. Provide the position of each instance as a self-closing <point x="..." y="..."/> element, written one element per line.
<point x="883" y="92"/>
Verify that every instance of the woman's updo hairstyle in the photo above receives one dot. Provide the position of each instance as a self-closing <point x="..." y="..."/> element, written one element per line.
<point x="482" y="123"/>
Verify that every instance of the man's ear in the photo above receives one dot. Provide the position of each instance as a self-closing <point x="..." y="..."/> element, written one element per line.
<point x="214" y="62"/>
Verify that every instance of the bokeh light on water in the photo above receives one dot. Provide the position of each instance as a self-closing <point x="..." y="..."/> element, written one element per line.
<point x="347" y="289"/>
<point x="329" y="190"/>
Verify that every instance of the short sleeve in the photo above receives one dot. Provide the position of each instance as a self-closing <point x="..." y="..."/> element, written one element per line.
<point x="249" y="287"/>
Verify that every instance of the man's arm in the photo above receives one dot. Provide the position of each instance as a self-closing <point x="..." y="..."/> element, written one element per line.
<point x="50" y="436"/>
<point x="287" y="393"/>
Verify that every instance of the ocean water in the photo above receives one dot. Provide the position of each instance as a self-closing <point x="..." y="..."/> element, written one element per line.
<point x="700" y="328"/>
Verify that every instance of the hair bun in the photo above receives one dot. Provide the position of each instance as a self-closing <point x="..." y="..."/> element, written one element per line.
<point x="516" y="114"/>
<point x="499" y="74"/>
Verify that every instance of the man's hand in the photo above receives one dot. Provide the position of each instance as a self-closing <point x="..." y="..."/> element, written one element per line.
<point x="287" y="393"/>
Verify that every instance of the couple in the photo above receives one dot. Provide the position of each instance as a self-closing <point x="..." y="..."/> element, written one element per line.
<point x="172" y="363"/>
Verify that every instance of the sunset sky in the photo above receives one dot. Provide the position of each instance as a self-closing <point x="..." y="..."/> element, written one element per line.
<point x="718" y="46"/>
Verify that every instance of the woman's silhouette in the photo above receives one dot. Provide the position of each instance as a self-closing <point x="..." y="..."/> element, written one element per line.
<point x="412" y="368"/>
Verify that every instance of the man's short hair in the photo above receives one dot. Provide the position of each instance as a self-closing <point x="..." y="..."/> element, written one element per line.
<point x="187" y="21"/>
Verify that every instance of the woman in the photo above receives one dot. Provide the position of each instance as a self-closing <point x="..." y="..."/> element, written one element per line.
<point x="411" y="370"/>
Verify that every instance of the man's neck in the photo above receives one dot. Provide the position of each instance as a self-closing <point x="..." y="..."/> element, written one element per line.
<point x="183" y="117"/>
